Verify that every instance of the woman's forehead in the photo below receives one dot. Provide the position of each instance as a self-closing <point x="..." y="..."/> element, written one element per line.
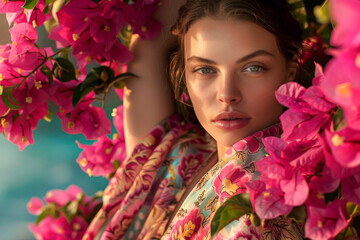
<point x="210" y="36"/>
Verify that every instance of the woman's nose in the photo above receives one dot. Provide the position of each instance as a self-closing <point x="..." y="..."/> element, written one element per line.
<point x="228" y="90"/>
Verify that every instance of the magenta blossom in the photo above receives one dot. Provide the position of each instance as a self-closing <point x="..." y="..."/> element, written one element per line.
<point x="343" y="86"/>
<point x="309" y="109"/>
<point x="345" y="13"/>
<point x="59" y="228"/>
<point x="345" y="147"/>
<point x="35" y="205"/>
<point x="325" y="223"/>
<point x="98" y="159"/>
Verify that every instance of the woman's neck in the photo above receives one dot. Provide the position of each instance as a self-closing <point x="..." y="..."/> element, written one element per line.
<point x="221" y="149"/>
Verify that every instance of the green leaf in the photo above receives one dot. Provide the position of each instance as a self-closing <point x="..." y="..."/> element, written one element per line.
<point x="338" y="120"/>
<point x="5" y="98"/>
<point x="125" y="35"/>
<point x="116" y="164"/>
<point x="298" y="214"/>
<point x="299" y="12"/>
<point x="63" y="70"/>
<point x="255" y="220"/>
<point x="47" y="72"/>
<point x="46" y="212"/>
<point x="232" y="209"/>
<point x="119" y="80"/>
<point x="80" y="93"/>
<point x="30" y="4"/>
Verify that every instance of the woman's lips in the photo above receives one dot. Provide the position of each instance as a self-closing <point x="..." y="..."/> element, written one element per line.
<point x="230" y="121"/>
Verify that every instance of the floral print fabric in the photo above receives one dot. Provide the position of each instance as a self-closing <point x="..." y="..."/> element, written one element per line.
<point x="145" y="190"/>
<point x="141" y="197"/>
<point x="228" y="178"/>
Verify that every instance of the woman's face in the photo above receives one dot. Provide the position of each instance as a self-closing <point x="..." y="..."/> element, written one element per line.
<point x="232" y="70"/>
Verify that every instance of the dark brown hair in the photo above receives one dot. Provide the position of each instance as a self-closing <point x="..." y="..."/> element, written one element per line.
<point x="272" y="15"/>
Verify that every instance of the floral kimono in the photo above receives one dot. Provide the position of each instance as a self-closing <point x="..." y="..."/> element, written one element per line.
<point x="143" y="194"/>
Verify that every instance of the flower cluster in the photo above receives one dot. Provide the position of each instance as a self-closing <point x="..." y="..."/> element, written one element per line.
<point x="65" y="215"/>
<point x="316" y="161"/>
<point x="31" y="76"/>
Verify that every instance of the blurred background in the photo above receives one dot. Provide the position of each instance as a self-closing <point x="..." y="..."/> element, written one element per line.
<point x="46" y="165"/>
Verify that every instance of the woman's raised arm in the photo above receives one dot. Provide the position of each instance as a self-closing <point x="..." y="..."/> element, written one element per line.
<point x="148" y="98"/>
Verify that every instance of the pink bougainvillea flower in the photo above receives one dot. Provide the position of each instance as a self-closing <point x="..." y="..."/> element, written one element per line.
<point x="118" y="120"/>
<point x="16" y="14"/>
<point x="325" y="223"/>
<point x="271" y="204"/>
<point x="62" y="197"/>
<point x="59" y="228"/>
<point x="324" y="183"/>
<point x="304" y="155"/>
<point x="351" y="188"/>
<point x="296" y="189"/>
<point x="26" y="57"/>
<point x="313" y="49"/>
<point x="345" y="13"/>
<point x="345" y="146"/>
<point x="35" y="205"/>
<point x="95" y="122"/>
<point x="342" y="86"/>
<point x="98" y="159"/>
<point x="309" y="111"/>
<point x="20" y="132"/>
<point x="23" y="33"/>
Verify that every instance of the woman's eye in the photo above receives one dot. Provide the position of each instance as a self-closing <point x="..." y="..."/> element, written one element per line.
<point x="254" y="68"/>
<point x="204" y="70"/>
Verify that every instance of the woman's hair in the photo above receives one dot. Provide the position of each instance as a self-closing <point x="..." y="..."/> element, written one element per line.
<point x="272" y="15"/>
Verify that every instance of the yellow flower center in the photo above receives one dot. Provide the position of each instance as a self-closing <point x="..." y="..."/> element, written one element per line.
<point x="34" y="24"/>
<point x="89" y="172"/>
<point x="4" y="123"/>
<point x="337" y="140"/>
<point x="60" y="230"/>
<point x="23" y="139"/>
<point x="320" y="195"/>
<point x="113" y="114"/>
<point x="38" y="85"/>
<point x="28" y="100"/>
<point x="266" y="194"/>
<point x="86" y="19"/>
<point x="71" y="125"/>
<point x="357" y="60"/>
<point x="49" y="194"/>
<point x="1" y="77"/>
<point x="320" y="224"/>
<point x="108" y="150"/>
<point x="76" y="226"/>
<point x="75" y="36"/>
<point x="107" y="29"/>
<point x="88" y="58"/>
<point x="83" y="162"/>
<point x="143" y="28"/>
<point x="344" y="89"/>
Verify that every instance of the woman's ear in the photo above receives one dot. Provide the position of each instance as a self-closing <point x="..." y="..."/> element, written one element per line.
<point x="292" y="70"/>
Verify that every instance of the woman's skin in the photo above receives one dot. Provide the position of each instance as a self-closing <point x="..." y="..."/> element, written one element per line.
<point x="232" y="70"/>
<point x="148" y="98"/>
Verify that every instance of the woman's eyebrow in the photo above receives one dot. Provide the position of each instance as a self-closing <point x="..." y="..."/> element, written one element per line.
<point x="245" y="58"/>
<point x="255" y="54"/>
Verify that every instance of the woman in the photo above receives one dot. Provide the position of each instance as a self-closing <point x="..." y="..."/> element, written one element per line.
<point x="231" y="57"/>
